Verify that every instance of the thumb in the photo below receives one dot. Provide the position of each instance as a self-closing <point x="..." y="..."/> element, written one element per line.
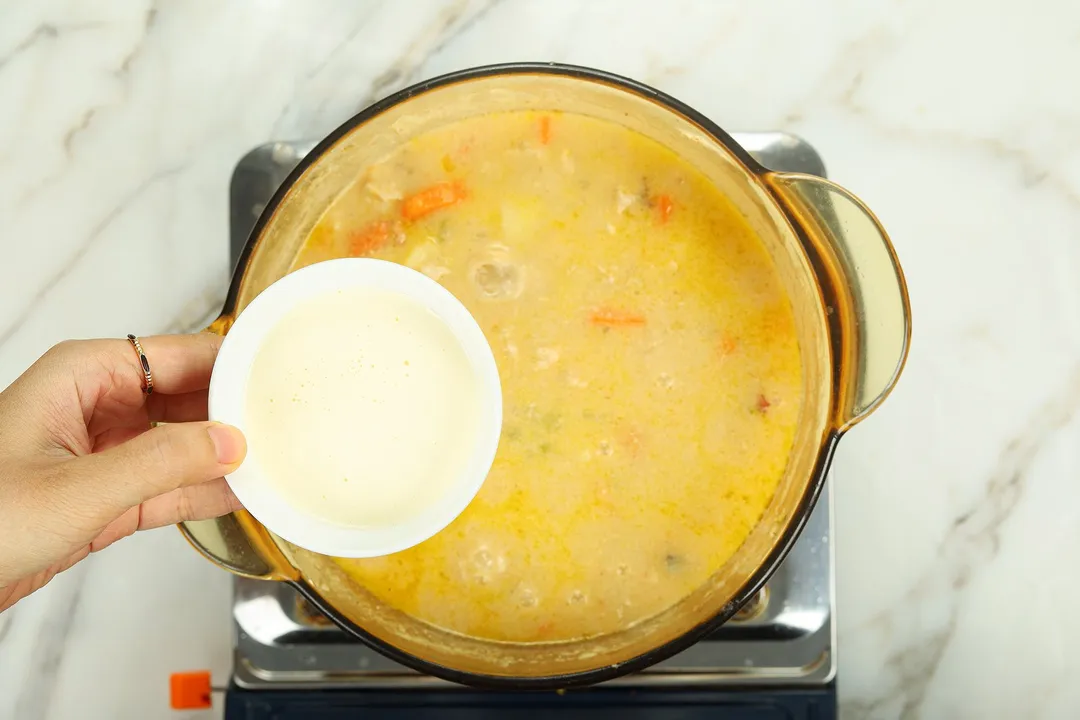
<point x="161" y="459"/>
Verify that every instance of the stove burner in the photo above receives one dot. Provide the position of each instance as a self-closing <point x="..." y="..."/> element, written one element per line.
<point x="783" y="637"/>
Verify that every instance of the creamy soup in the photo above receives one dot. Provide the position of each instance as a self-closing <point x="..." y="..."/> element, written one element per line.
<point x="648" y="356"/>
<point x="340" y="410"/>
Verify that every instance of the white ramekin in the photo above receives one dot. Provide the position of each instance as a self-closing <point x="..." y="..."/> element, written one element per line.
<point x="228" y="390"/>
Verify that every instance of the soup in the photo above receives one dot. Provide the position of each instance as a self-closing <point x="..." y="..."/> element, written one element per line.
<point x="649" y="361"/>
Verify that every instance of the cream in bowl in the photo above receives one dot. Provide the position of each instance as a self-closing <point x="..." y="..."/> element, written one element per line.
<point x="371" y="404"/>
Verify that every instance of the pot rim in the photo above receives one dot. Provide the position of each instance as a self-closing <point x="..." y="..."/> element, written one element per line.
<point x="787" y="537"/>
<point x="452" y="78"/>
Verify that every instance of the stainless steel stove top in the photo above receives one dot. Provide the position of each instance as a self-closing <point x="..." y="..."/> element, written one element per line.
<point x="785" y="636"/>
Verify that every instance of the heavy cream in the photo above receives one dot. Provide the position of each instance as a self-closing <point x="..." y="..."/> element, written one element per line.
<point x="362" y="407"/>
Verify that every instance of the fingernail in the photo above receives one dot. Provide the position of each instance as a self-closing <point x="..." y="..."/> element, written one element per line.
<point x="229" y="443"/>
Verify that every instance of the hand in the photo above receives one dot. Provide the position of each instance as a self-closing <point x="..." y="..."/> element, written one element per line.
<point x="80" y="466"/>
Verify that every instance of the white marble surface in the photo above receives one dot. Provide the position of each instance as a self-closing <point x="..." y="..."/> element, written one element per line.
<point x="957" y="121"/>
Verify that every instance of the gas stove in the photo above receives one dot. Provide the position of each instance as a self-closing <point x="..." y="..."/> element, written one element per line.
<point x="774" y="659"/>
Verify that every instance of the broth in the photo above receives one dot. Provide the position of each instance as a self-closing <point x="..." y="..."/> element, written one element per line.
<point x="649" y="362"/>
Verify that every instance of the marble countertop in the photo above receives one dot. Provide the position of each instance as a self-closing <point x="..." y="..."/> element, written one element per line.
<point x="958" y="122"/>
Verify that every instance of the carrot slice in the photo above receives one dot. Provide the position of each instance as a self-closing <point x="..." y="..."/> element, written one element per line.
<point x="664" y="207"/>
<point x="370" y="238"/>
<point x="611" y="317"/>
<point x="545" y="129"/>
<point x="438" y="196"/>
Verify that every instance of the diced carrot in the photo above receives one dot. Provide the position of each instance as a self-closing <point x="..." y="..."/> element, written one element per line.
<point x="545" y="129"/>
<point x="438" y="196"/>
<point x="664" y="207"/>
<point x="610" y="317"/>
<point x="763" y="403"/>
<point x="370" y="239"/>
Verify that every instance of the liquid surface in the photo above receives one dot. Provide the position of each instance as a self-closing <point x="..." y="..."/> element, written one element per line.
<point x="362" y="407"/>
<point x="649" y="362"/>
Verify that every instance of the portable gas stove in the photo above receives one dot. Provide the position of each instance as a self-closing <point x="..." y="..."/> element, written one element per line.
<point x="775" y="659"/>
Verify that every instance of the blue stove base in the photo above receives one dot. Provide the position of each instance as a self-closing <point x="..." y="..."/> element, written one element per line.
<point x="595" y="704"/>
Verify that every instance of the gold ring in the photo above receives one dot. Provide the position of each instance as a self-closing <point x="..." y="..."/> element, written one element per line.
<point x="148" y="378"/>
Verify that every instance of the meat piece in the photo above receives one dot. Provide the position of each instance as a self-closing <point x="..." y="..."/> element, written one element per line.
<point x="496" y="275"/>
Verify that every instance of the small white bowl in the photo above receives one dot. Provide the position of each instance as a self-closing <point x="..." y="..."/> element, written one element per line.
<point x="228" y="402"/>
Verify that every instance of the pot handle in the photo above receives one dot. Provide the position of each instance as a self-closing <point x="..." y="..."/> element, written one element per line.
<point x="237" y="542"/>
<point x="870" y="317"/>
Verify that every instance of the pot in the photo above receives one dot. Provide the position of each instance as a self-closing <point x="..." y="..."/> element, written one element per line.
<point x="852" y="318"/>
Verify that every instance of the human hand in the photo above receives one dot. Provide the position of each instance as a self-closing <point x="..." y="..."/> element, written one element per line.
<point x="80" y="466"/>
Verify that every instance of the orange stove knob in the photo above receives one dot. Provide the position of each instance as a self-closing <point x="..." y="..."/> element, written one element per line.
<point x="190" y="690"/>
